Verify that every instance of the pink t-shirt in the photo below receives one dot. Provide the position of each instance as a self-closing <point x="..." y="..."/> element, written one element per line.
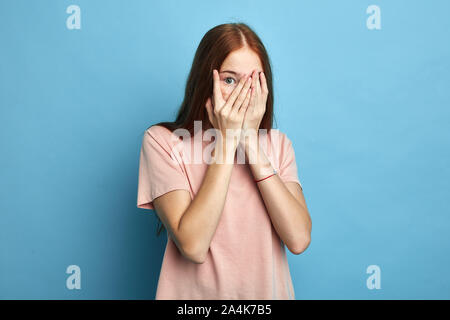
<point x="246" y="258"/>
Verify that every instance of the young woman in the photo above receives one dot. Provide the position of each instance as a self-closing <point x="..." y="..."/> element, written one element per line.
<point x="227" y="222"/>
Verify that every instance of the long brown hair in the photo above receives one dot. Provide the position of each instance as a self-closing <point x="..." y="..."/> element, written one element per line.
<point x="213" y="49"/>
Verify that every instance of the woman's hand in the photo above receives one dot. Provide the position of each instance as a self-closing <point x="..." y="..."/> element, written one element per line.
<point x="257" y="106"/>
<point x="229" y="114"/>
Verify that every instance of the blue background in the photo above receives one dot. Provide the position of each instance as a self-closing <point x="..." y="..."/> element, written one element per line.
<point x="367" y="111"/>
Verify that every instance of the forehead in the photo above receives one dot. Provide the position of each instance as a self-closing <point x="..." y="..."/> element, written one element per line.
<point x="242" y="61"/>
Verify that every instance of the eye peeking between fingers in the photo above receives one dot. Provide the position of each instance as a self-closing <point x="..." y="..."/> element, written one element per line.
<point x="227" y="78"/>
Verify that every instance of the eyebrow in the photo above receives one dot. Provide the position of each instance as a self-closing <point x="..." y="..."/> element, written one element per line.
<point x="229" y="71"/>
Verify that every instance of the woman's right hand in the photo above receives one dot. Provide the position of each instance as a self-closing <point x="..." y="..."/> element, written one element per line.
<point x="229" y="114"/>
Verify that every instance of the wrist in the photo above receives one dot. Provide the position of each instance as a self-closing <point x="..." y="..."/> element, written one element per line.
<point x="249" y="139"/>
<point x="224" y="152"/>
<point x="274" y="172"/>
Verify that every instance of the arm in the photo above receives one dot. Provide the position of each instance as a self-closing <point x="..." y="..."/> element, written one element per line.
<point x="192" y="224"/>
<point x="284" y="202"/>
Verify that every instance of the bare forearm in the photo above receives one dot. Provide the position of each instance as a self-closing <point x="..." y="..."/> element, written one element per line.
<point x="289" y="217"/>
<point x="200" y="220"/>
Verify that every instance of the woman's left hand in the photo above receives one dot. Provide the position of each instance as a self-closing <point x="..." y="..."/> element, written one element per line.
<point x="257" y="106"/>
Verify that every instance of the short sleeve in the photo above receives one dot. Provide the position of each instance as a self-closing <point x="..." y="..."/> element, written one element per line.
<point x="288" y="165"/>
<point x="159" y="172"/>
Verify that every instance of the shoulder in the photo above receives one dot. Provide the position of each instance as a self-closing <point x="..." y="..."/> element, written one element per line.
<point x="158" y="132"/>
<point x="158" y="137"/>
<point x="281" y="145"/>
<point x="278" y="139"/>
<point x="164" y="140"/>
<point x="161" y="135"/>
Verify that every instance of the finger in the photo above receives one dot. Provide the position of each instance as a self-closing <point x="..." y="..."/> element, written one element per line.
<point x="216" y="85"/>
<point x="237" y="104"/>
<point x="235" y="93"/>
<point x="258" y="85"/>
<point x="255" y="79"/>
<point x="209" y="109"/>
<point x="252" y="102"/>
<point x="246" y="102"/>
<point x="264" y="87"/>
